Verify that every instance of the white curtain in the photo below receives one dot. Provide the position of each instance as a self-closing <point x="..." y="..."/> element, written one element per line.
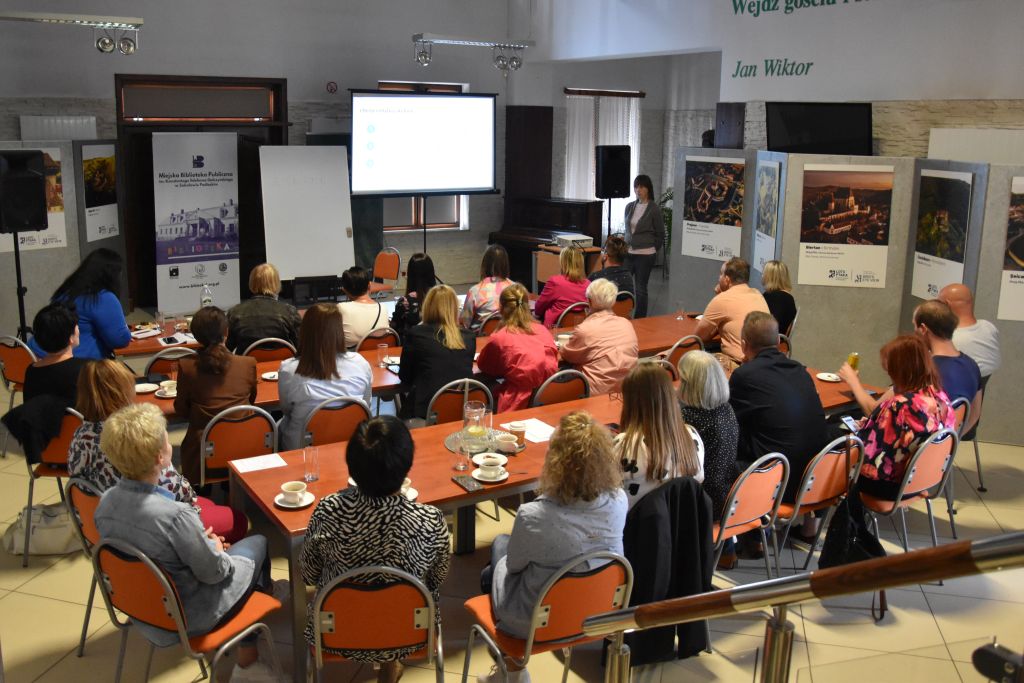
<point x="579" y="148"/>
<point x="599" y="121"/>
<point x="618" y="124"/>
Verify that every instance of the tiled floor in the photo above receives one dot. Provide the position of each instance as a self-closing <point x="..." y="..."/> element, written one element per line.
<point x="928" y="636"/>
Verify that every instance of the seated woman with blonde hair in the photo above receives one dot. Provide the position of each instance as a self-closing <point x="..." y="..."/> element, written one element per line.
<point x="104" y="387"/>
<point x="436" y="351"/>
<point x="604" y="347"/>
<point x="655" y="443"/>
<point x="563" y="290"/>
<point x="581" y="509"/>
<point x="778" y="294"/>
<point x="213" y="579"/>
<point x="262" y="316"/>
<point x="521" y="351"/>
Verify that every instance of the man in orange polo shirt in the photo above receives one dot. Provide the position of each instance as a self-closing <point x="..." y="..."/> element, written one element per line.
<point x="725" y="313"/>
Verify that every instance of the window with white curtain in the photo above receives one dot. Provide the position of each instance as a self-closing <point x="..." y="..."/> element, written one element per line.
<point x="600" y="120"/>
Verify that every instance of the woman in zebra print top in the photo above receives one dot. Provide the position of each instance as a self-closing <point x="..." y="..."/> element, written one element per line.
<point x="375" y="524"/>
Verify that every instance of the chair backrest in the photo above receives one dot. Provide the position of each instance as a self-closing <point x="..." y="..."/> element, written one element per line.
<point x="684" y="345"/>
<point x="568" y="598"/>
<point x="381" y="335"/>
<point x="269" y="349"/>
<point x="489" y="324"/>
<point x="624" y="305"/>
<point x="573" y="315"/>
<point x="334" y="420"/>
<point x="387" y="265"/>
<point x="15" y="357"/>
<point x="238" y="432"/>
<point x="82" y="499"/>
<point x="56" y="452"/>
<point x="792" y="325"/>
<point x="673" y="371"/>
<point x="785" y="346"/>
<point x="373" y="608"/>
<point x="567" y="385"/>
<point x="133" y="584"/>
<point x="166" y="361"/>
<point x="932" y="463"/>
<point x="446" y="404"/>
<point x="830" y="472"/>
<point x="962" y="414"/>
<point x="756" y="494"/>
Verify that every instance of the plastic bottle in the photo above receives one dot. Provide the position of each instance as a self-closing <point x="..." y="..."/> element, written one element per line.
<point x="205" y="296"/>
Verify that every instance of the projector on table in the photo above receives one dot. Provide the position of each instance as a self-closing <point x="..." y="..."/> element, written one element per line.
<point x="574" y="239"/>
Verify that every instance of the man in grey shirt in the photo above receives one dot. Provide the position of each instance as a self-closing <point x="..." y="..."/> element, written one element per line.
<point x="979" y="339"/>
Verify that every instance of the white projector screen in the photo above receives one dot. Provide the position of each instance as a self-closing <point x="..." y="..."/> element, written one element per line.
<point x="411" y="143"/>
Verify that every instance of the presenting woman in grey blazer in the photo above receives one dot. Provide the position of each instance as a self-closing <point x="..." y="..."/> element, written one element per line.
<point x="645" y="234"/>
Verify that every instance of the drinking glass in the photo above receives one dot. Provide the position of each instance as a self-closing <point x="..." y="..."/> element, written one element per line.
<point x="382" y="353"/>
<point x="488" y="424"/>
<point x="160" y="318"/>
<point x="680" y="311"/>
<point x="461" y="460"/>
<point x="311" y="462"/>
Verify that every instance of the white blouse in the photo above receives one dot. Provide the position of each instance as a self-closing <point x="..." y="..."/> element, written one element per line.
<point x="636" y="483"/>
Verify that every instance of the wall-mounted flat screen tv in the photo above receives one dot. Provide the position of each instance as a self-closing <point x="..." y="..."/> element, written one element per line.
<point x="819" y="127"/>
<point x="421" y="144"/>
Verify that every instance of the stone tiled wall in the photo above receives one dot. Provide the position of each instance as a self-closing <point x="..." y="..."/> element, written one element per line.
<point x="683" y="128"/>
<point x="11" y="108"/>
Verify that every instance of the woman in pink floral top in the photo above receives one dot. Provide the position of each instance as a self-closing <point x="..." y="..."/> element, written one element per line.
<point x="482" y="298"/>
<point x="104" y="387"/>
<point x="898" y="425"/>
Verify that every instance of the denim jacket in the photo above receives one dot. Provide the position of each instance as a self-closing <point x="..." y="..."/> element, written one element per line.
<point x="170" y="533"/>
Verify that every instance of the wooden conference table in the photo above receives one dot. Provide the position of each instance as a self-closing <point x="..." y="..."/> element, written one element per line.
<point x="431" y="475"/>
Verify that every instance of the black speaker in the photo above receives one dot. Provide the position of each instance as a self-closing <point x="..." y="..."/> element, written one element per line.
<point x="612" y="171"/>
<point x="22" y="191"/>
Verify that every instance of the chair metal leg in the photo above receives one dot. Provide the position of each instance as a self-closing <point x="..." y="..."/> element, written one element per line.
<point x="469" y="653"/>
<point x="120" y="655"/>
<point x="949" y="505"/>
<point x="202" y="669"/>
<point x="567" y="654"/>
<point x="764" y="545"/>
<point x="903" y="524"/>
<point x="7" y="434"/>
<point x="977" y="459"/>
<point x="60" y="490"/>
<point x="28" y="519"/>
<point x="817" y="537"/>
<point x="707" y="632"/>
<point x="149" y="661"/>
<point x="88" y="613"/>
<point x="775" y="549"/>
<point x="931" y="522"/>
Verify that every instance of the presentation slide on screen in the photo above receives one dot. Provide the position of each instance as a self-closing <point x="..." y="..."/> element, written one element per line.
<point x="422" y="143"/>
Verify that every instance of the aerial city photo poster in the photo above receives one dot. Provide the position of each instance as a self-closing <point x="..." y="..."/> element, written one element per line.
<point x="1011" y="293"/>
<point x="55" y="235"/>
<point x="844" y="225"/>
<point x="943" y="213"/>
<point x="766" y="212"/>
<point x="713" y="213"/>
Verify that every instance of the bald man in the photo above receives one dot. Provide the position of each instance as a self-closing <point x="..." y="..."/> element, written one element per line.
<point x="979" y="339"/>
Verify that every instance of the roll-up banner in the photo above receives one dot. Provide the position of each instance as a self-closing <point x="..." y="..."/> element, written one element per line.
<point x="195" y="197"/>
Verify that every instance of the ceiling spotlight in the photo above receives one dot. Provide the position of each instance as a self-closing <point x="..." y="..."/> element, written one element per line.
<point x="515" y="62"/>
<point x="105" y="44"/>
<point x="424" y="53"/>
<point x="126" y="45"/>
<point x="500" y="60"/>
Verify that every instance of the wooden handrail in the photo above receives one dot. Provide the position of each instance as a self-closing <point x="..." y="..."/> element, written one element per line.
<point x="948" y="561"/>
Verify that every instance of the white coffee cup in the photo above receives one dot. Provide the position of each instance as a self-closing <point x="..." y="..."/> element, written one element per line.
<point x="292" y="492"/>
<point x="406" y="483"/>
<point x="519" y="430"/>
<point x="490" y="467"/>
<point x="507" y="442"/>
<point x="563" y="338"/>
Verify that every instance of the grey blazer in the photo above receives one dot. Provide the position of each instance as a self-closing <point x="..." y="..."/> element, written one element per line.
<point x="170" y="533"/>
<point x="650" y="231"/>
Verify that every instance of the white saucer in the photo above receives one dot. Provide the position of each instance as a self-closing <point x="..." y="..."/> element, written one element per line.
<point x="411" y="493"/>
<point x="479" y="457"/>
<point x="829" y="377"/>
<point x="479" y="477"/>
<point x="146" y="388"/>
<point x="307" y="500"/>
<point x="392" y="360"/>
<point x="163" y="393"/>
<point x="269" y="376"/>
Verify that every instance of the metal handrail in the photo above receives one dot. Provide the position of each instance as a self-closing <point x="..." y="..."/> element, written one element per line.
<point x="953" y="560"/>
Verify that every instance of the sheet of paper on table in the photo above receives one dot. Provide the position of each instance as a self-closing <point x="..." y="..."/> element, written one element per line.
<point x="180" y="338"/>
<point x="143" y="334"/>
<point x="260" y="462"/>
<point x="537" y="431"/>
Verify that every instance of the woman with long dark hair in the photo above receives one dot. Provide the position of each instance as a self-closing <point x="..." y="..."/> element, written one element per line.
<point x="93" y="291"/>
<point x="419" y="279"/>
<point x="323" y="369"/>
<point x="645" y="233"/>
<point x="210" y="382"/>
